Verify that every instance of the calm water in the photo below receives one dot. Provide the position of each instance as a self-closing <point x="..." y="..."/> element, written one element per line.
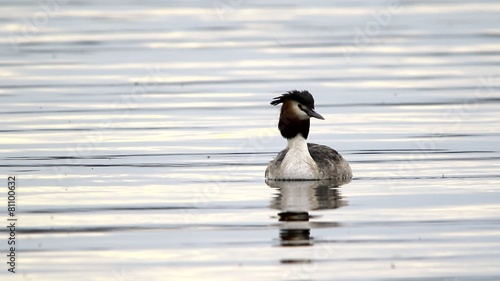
<point x="139" y="133"/>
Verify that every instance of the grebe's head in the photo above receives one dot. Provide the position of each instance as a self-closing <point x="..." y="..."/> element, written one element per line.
<point x="296" y="112"/>
<point x="297" y="105"/>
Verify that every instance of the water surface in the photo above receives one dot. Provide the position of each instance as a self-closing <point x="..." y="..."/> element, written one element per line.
<point x="139" y="133"/>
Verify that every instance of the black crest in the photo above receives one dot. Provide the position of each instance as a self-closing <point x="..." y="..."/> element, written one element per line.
<point x="303" y="97"/>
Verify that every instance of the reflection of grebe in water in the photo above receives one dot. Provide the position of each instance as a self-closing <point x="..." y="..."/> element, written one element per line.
<point x="301" y="160"/>
<point x="295" y="199"/>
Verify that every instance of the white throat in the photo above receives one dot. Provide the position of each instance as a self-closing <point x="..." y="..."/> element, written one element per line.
<point x="298" y="143"/>
<point x="298" y="163"/>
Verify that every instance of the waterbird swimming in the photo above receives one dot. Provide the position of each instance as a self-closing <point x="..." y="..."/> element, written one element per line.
<point x="301" y="160"/>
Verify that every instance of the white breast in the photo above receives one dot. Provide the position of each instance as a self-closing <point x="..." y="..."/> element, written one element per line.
<point x="298" y="163"/>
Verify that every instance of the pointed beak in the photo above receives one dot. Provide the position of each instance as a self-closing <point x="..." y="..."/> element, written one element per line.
<point x="313" y="113"/>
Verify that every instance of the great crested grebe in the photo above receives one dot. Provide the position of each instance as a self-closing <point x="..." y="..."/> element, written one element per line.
<point x="301" y="160"/>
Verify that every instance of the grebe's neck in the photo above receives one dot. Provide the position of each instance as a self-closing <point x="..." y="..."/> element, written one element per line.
<point x="292" y="128"/>
<point x="298" y="143"/>
<point x="298" y="163"/>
